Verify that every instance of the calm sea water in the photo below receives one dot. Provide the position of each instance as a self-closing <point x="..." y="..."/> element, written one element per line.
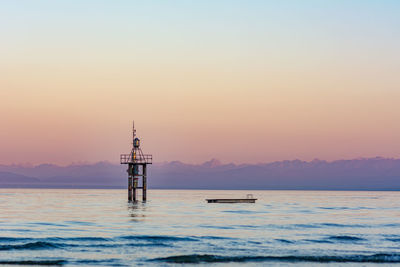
<point x="99" y="227"/>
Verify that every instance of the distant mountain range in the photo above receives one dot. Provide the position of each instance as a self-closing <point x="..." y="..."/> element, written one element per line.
<point x="356" y="174"/>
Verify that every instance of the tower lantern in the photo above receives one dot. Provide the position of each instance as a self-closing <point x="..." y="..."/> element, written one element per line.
<point x="137" y="168"/>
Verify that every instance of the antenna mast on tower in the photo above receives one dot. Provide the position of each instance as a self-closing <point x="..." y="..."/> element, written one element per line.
<point x="137" y="167"/>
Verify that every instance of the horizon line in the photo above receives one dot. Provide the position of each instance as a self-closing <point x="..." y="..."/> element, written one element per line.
<point x="219" y="163"/>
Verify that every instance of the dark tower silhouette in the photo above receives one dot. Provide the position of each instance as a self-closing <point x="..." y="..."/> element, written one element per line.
<point x="137" y="167"/>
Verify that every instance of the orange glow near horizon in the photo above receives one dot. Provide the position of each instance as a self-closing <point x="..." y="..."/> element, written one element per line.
<point x="245" y="93"/>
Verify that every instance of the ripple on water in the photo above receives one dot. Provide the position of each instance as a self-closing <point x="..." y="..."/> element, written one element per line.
<point x="217" y="227"/>
<point x="284" y="241"/>
<point x="345" y="238"/>
<point x="157" y="238"/>
<point x="38" y="245"/>
<point x="244" y="212"/>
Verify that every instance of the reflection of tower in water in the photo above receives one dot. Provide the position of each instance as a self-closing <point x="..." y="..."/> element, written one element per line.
<point x="137" y="211"/>
<point x="137" y="168"/>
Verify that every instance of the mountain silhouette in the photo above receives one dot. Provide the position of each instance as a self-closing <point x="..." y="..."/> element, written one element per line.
<point x="356" y="174"/>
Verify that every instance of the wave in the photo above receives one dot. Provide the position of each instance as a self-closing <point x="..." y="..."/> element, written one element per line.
<point x="32" y="246"/>
<point x="244" y="211"/>
<point x="40" y="245"/>
<point x="285" y="241"/>
<point x="391" y="225"/>
<point x="34" y="262"/>
<point x="80" y="223"/>
<point x="47" y="224"/>
<point x="18" y="230"/>
<point x="393" y="239"/>
<point x="158" y="238"/>
<point x="148" y="245"/>
<point x="291" y="226"/>
<point x="213" y="237"/>
<point x="345" y="238"/>
<point x="13" y="239"/>
<point x="246" y="226"/>
<point x="17" y="243"/>
<point x="112" y="262"/>
<point x="196" y="258"/>
<point x="336" y="208"/>
<point x="359" y="225"/>
<point x="217" y="227"/>
<point x="102" y="239"/>
<point x="304" y="225"/>
<point x="336" y="238"/>
<point x="344" y="225"/>
<point x="81" y="238"/>
<point x="317" y="241"/>
<point x="280" y="226"/>
<point x="21" y="239"/>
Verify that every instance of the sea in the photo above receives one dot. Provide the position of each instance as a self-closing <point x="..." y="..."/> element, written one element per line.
<point x="178" y="227"/>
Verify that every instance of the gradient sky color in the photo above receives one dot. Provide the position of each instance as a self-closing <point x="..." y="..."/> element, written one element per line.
<point x="241" y="81"/>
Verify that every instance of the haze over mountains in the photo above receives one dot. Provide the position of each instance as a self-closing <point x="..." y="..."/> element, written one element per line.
<point x="356" y="174"/>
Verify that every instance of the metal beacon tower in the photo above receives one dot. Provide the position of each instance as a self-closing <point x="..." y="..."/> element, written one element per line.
<point x="137" y="167"/>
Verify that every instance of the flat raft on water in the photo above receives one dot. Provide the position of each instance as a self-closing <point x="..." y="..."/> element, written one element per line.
<point x="249" y="199"/>
<point x="232" y="200"/>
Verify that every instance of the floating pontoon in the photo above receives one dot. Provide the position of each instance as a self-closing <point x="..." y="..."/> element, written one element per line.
<point x="248" y="199"/>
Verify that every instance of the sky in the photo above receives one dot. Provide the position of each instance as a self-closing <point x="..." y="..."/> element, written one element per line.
<point x="241" y="81"/>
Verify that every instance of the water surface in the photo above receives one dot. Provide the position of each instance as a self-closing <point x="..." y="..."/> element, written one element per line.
<point x="98" y="227"/>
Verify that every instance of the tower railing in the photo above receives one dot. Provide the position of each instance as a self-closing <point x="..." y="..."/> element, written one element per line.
<point x="128" y="158"/>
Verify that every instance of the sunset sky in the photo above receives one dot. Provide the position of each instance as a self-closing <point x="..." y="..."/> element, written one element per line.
<point x="241" y="81"/>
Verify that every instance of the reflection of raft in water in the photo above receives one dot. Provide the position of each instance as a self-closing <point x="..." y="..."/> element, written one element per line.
<point x="248" y="199"/>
